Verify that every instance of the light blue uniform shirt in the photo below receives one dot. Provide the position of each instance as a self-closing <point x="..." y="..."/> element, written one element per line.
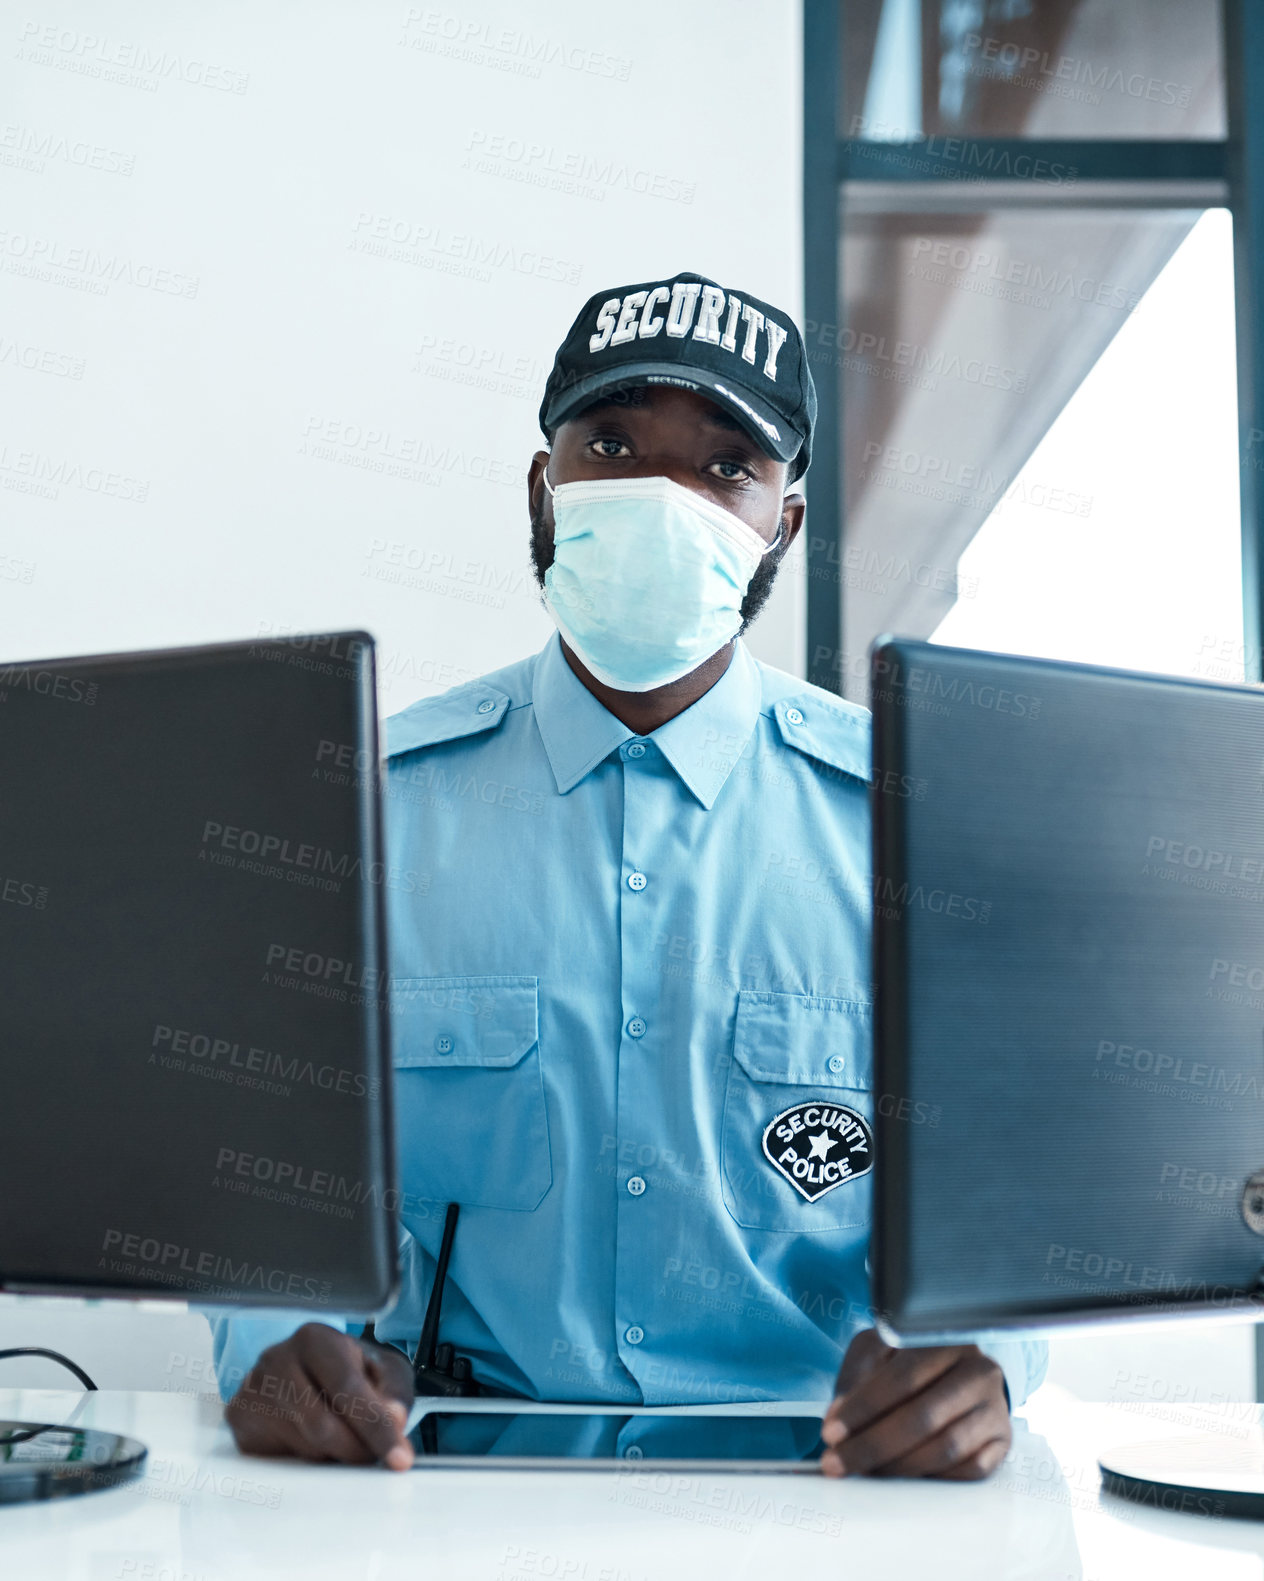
<point x="627" y="958"/>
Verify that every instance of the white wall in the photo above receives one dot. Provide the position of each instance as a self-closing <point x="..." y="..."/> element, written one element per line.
<point x="119" y="1344"/>
<point x="329" y="301"/>
<point x="280" y="284"/>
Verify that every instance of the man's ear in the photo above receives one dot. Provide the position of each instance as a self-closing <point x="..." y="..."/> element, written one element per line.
<point x="537" y="494"/>
<point x="792" y="511"/>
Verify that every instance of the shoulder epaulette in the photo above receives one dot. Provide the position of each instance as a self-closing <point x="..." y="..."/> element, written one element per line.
<point x="817" y="723"/>
<point x="464" y="711"/>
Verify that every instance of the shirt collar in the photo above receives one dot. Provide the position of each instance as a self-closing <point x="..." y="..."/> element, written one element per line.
<point x="702" y="744"/>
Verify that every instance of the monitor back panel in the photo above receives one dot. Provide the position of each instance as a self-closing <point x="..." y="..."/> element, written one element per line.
<point x="1069" y="971"/>
<point x="194" y="1074"/>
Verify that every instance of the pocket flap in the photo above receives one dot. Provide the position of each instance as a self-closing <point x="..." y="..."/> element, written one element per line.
<point x="804" y="1039"/>
<point x="446" y="1023"/>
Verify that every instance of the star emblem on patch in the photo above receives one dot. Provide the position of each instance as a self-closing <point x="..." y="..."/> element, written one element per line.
<point x="819" y="1146"/>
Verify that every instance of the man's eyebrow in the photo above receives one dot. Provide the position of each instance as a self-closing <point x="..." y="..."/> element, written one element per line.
<point x="722" y="419"/>
<point x="713" y="416"/>
<point x="605" y="408"/>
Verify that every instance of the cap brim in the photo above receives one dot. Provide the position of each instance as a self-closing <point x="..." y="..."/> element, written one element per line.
<point x="766" y="427"/>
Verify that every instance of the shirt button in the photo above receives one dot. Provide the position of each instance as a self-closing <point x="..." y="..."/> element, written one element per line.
<point x="634" y="1335"/>
<point x="443" y="1044"/>
<point x="634" y="1451"/>
<point x="636" y="1185"/>
<point x="486" y="706"/>
<point x="636" y="1027"/>
<point x="793" y="716"/>
<point x="636" y="749"/>
<point x="637" y="880"/>
<point x="837" y="1063"/>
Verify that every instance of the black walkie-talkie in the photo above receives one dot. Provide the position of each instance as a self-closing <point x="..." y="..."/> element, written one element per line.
<point x="436" y="1368"/>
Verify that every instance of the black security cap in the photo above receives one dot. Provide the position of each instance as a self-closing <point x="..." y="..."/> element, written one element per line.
<point x="692" y="333"/>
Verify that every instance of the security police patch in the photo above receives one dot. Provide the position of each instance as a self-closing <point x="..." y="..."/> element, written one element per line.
<point x="817" y="1146"/>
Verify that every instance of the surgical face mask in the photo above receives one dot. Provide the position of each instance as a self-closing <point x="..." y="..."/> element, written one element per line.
<point x="647" y="578"/>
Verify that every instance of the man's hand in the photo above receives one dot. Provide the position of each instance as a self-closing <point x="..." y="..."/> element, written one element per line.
<point x="323" y="1395"/>
<point x="938" y="1411"/>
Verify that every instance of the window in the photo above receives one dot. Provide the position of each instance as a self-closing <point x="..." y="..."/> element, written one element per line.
<point x="1118" y="541"/>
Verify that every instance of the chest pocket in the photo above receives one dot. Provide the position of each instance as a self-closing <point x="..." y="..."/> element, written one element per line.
<point x="469" y="1092"/>
<point x="806" y="1063"/>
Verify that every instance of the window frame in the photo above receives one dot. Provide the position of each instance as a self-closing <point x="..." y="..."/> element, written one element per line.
<point x="846" y="175"/>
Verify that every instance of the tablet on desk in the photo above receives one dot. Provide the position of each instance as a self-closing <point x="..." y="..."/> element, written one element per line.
<point x="603" y="1439"/>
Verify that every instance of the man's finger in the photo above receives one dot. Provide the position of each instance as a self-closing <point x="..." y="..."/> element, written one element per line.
<point x="904" y="1373"/>
<point x="390" y="1372"/>
<point x="323" y="1433"/>
<point x="865" y="1352"/>
<point x="264" y="1412"/>
<point x="369" y="1417"/>
<point x="951" y="1449"/>
<point x="324" y="1396"/>
<point x="252" y="1436"/>
<point x="913" y="1421"/>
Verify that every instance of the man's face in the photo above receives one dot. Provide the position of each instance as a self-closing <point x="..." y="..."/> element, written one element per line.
<point x="655" y="431"/>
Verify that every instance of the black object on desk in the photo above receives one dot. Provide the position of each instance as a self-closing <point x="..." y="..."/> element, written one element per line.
<point x="1069" y="971"/>
<point x="194" y="1055"/>
<point x="769" y="1439"/>
<point x="42" y="1460"/>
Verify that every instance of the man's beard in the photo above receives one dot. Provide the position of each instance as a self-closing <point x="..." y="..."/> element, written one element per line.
<point x="757" y="589"/>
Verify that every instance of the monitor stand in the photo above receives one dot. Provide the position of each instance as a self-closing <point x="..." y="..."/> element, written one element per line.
<point x="1204" y="1473"/>
<point x="51" y="1460"/>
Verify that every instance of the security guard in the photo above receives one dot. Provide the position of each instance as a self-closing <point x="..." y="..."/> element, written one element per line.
<point x="631" y="1005"/>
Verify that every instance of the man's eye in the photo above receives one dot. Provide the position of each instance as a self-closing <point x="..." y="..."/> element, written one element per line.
<point x="731" y="471"/>
<point x="611" y="449"/>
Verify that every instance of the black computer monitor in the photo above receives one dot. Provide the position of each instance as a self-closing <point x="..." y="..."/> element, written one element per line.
<point x="1069" y="979"/>
<point x="194" y="1067"/>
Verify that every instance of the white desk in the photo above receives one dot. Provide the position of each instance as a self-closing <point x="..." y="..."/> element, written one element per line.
<point x="205" y="1513"/>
